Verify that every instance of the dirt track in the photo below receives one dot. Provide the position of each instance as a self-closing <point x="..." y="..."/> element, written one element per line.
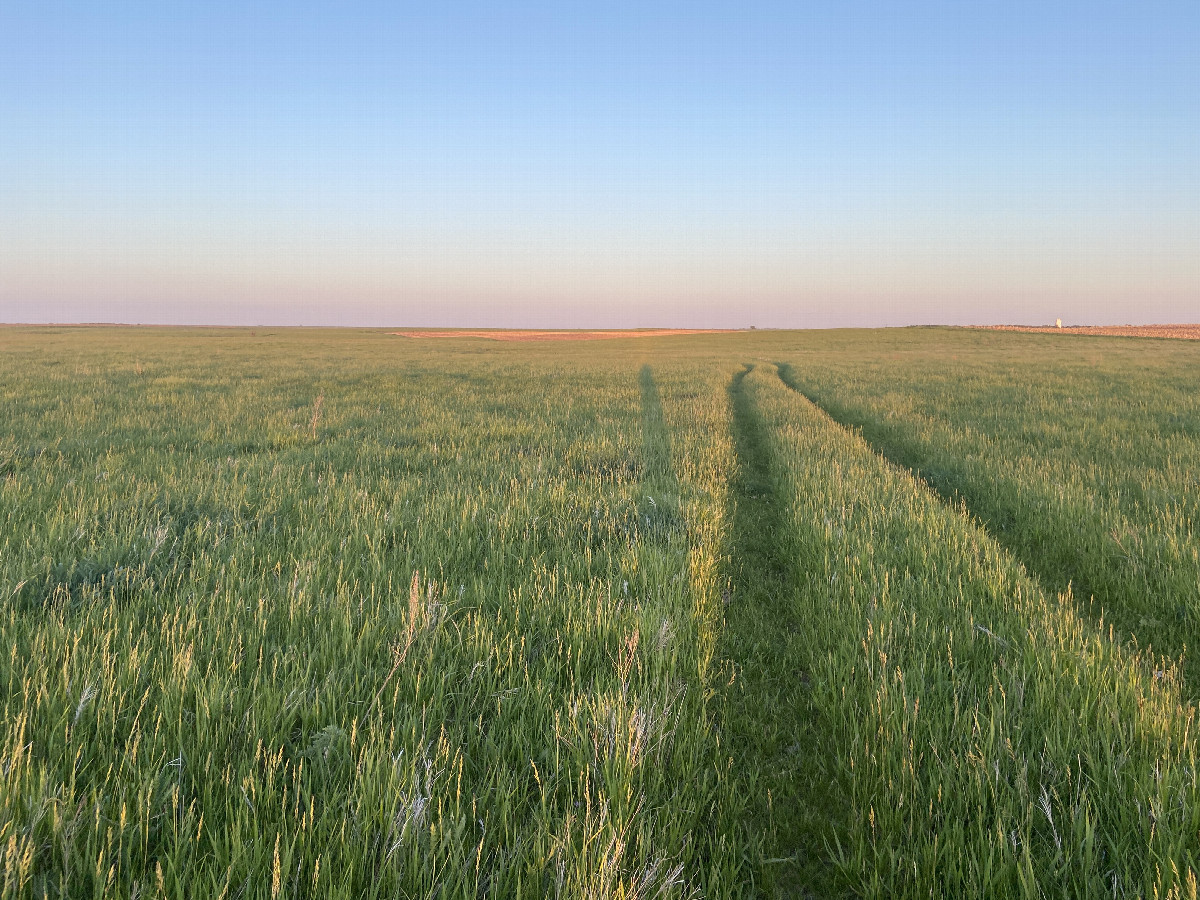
<point x="554" y="335"/>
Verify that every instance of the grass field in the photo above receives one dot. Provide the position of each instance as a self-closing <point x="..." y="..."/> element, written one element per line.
<point x="295" y="613"/>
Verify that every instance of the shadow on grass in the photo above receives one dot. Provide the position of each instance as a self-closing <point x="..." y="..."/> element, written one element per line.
<point x="658" y="509"/>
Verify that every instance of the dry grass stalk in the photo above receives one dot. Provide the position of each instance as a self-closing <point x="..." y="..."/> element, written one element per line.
<point x="316" y="414"/>
<point x="400" y="651"/>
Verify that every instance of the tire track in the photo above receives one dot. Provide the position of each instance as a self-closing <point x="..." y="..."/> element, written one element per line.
<point x="769" y="725"/>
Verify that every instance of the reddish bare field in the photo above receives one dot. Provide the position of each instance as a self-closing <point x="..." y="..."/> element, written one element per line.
<point x="558" y="335"/>
<point x="1187" y="332"/>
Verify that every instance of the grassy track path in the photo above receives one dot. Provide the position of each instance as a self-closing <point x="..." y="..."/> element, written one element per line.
<point x="949" y="486"/>
<point x="768" y="718"/>
<point x="989" y="743"/>
<point x="1098" y="585"/>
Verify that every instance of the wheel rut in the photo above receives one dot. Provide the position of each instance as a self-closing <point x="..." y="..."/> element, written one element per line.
<point x="769" y="725"/>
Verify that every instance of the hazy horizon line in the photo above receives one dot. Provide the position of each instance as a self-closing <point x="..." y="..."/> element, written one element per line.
<point x="676" y="328"/>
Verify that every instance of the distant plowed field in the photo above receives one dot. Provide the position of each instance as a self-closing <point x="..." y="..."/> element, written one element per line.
<point x="1190" y="332"/>
<point x="321" y="614"/>
<point x="506" y="335"/>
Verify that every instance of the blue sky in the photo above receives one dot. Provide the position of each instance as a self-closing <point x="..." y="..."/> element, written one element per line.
<point x="608" y="165"/>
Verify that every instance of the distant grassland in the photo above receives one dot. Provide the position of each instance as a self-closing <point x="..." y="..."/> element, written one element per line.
<point x="1188" y="332"/>
<point x="294" y="613"/>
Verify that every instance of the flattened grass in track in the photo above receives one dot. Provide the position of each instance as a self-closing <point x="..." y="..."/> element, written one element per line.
<point x="769" y="722"/>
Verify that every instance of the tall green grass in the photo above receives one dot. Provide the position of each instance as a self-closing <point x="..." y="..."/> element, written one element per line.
<point x="345" y="616"/>
<point x="1080" y="455"/>
<point x="290" y="613"/>
<point x="987" y="740"/>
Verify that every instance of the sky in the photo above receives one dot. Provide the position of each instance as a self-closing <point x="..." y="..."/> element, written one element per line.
<point x="608" y="165"/>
